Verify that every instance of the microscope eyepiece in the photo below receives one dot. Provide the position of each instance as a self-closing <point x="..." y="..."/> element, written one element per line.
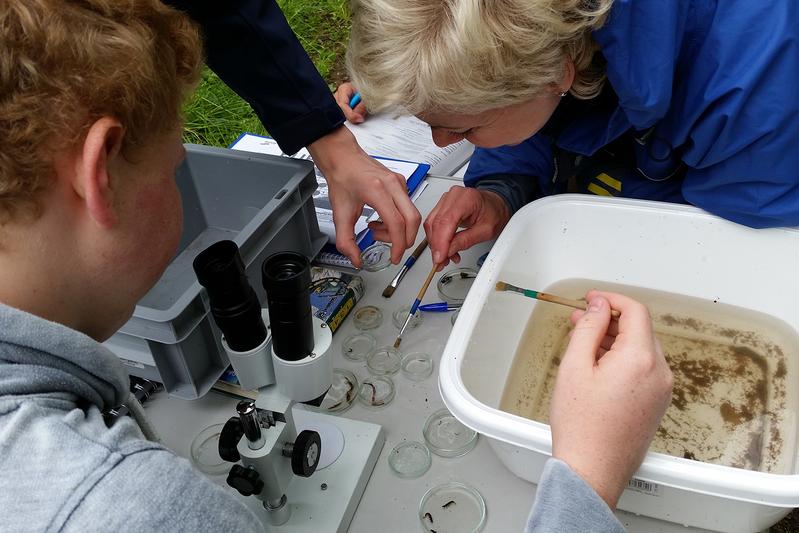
<point x="234" y="304"/>
<point x="287" y="280"/>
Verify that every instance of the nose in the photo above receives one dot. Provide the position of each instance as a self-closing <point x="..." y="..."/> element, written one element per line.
<point x="444" y="138"/>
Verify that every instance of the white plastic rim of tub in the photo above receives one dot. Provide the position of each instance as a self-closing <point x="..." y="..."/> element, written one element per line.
<point x="778" y="490"/>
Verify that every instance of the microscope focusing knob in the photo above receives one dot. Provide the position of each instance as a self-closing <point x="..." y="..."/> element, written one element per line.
<point x="306" y="453"/>
<point x="229" y="440"/>
<point x="245" y="480"/>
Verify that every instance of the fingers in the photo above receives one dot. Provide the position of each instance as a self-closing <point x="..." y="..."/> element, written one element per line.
<point x="343" y="96"/>
<point x="443" y="221"/>
<point x="589" y="333"/>
<point x="345" y="236"/>
<point x="634" y="320"/>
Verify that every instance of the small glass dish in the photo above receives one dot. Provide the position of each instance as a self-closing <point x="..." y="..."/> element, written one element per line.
<point x="376" y="257"/>
<point x="454" y="317"/>
<point x="205" y="451"/>
<point x="358" y="346"/>
<point x="401" y="314"/>
<point x="452" y="508"/>
<point x="384" y="361"/>
<point x="410" y="459"/>
<point x="454" y="285"/>
<point x="446" y="436"/>
<point x="417" y="366"/>
<point x="367" y="317"/>
<point x="342" y="392"/>
<point x="376" y="392"/>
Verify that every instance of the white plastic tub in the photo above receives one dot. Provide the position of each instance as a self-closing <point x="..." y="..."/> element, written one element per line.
<point x="672" y="248"/>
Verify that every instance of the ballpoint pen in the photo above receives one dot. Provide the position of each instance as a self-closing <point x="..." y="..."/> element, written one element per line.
<point x="355" y="100"/>
<point x="439" y="307"/>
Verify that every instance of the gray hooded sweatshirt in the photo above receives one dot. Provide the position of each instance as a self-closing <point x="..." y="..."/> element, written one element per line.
<point x="64" y="469"/>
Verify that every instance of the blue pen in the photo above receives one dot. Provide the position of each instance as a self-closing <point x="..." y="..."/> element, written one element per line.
<point x="355" y="100"/>
<point x="438" y="307"/>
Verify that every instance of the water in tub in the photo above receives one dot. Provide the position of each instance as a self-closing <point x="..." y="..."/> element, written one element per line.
<point x="735" y="376"/>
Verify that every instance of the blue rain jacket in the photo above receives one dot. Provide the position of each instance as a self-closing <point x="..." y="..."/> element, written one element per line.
<point x="710" y="90"/>
<point x="249" y="44"/>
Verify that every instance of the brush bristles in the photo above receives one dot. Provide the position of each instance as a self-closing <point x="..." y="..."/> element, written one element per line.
<point x="397" y="342"/>
<point x="388" y="292"/>
<point x="501" y="286"/>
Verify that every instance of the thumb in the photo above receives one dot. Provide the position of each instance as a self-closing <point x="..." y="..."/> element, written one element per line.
<point x="588" y="332"/>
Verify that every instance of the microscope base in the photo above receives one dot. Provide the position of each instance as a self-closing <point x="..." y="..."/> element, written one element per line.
<point x="314" y="510"/>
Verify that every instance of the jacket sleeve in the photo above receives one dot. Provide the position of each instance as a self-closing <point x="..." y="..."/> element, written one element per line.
<point x="249" y="44"/>
<point x="519" y="174"/>
<point x="564" y="502"/>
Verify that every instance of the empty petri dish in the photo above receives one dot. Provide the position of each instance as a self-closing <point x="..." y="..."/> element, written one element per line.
<point x="401" y="314"/>
<point x="417" y="366"/>
<point x="409" y="459"/>
<point x="342" y="392"/>
<point x="358" y="346"/>
<point x="205" y="451"/>
<point x="376" y="257"/>
<point x="454" y="285"/>
<point x="376" y="392"/>
<point x="384" y="361"/>
<point x="367" y="317"/>
<point x="452" y="508"/>
<point x="446" y="436"/>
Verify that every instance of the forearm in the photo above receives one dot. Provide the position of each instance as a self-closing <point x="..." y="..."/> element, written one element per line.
<point x="251" y="47"/>
<point x="564" y="502"/>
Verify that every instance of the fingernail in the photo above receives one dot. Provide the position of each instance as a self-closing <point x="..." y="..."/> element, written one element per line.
<point x="438" y="257"/>
<point x="596" y="304"/>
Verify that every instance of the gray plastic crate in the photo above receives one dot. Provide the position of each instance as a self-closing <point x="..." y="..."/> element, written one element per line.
<point x="263" y="203"/>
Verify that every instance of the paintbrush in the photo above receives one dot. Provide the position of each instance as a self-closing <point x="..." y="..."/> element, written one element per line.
<point x="389" y="291"/>
<point x="544" y="297"/>
<point x="415" y="305"/>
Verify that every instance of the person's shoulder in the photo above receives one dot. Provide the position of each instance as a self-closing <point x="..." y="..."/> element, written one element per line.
<point x="152" y="489"/>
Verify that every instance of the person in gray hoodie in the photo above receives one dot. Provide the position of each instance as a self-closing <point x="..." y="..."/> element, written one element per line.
<point x="90" y="216"/>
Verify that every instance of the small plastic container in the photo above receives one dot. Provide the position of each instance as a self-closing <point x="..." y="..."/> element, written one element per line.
<point x="376" y="392"/>
<point x="367" y="317"/>
<point x="384" y="361"/>
<point x="342" y="392"/>
<point x="417" y="366"/>
<point x="446" y="436"/>
<point x="376" y="257"/>
<point x="204" y="451"/>
<point x="358" y="346"/>
<point x="452" y="508"/>
<point x="410" y="459"/>
<point x="401" y="314"/>
<point x="454" y="285"/>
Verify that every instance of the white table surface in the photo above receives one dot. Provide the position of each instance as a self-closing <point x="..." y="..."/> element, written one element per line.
<point x="390" y="504"/>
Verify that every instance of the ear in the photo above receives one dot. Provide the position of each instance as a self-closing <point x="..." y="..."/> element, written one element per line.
<point x="568" y="76"/>
<point x="92" y="179"/>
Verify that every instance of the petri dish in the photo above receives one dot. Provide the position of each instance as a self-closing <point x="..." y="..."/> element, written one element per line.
<point x="342" y="392"/>
<point x="452" y="508"/>
<point x="401" y="314"/>
<point x="376" y="392"/>
<point x="376" y="257"/>
<point x="417" y="366"/>
<point x="205" y="451"/>
<point x="455" y="316"/>
<point x="446" y="436"/>
<point x="367" y="317"/>
<point x="410" y="459"/>
<point x="384" y="361"/>
<point x="358" y="346"/>
<point x="454" y="285"/>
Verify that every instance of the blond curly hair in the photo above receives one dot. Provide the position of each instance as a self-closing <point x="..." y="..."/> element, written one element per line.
<point x="468" y="56"/>
<point x="66" y="63"/>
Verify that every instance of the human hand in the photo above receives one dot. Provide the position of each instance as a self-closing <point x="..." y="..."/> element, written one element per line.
<point x="355" y="179"/>
<point x="611" y="391"/>
<point x="483" y="213"/>
<point x="343" y="95"/>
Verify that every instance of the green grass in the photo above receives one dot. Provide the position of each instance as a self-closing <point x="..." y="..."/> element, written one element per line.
<point x="216" y="116"/>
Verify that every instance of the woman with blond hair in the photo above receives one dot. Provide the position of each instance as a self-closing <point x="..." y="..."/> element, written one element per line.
<point x="690" y="101"/>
